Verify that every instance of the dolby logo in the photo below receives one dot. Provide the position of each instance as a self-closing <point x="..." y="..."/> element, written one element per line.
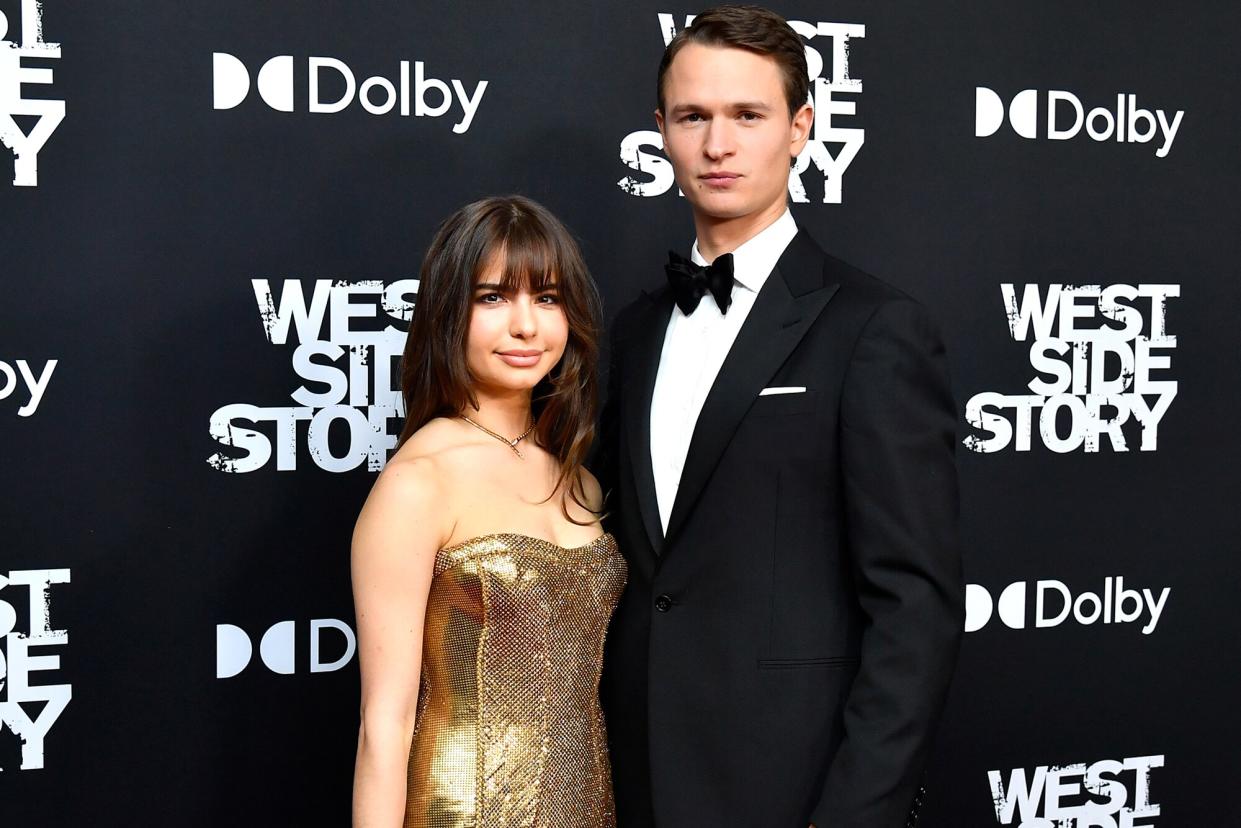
<point x="1065" y="117"/>
<point x="1055" y="603"/>
<point x="411" y="93"/>
<point x="234" y="649"/>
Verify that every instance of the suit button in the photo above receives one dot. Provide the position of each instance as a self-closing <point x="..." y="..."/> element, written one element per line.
<point x="663" y="603"/>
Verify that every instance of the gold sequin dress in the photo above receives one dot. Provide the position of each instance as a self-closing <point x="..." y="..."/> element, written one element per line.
<point x="509" y="731"/>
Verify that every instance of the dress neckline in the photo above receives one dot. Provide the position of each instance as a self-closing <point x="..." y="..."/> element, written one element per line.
<point x="543" y="541"/>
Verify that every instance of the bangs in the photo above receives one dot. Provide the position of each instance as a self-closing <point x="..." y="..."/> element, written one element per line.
<point x="529" y="260"/>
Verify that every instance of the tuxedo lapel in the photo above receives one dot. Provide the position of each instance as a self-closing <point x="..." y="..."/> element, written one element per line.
<point x="641" y="370"/>
<point x="791" y="299"/>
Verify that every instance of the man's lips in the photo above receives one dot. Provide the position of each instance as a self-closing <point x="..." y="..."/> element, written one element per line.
<point x="520" y="358"/>
<point x="722" y="178"/>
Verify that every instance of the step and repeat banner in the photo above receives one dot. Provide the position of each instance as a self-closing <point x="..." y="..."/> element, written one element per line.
<point x="211" y="221"/>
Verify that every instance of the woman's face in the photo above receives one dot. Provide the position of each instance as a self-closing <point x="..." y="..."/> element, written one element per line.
<point x="516" y="337"/>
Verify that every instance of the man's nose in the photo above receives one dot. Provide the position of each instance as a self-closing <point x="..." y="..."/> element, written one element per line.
<point x="719" y="143"/>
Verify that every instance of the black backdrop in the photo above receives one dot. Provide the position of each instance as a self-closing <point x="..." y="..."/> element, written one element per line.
<point x="132" y="257"/>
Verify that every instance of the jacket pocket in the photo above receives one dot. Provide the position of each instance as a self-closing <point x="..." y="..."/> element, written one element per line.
<point x="770" y="405"/>
<point x="830" y="662"/>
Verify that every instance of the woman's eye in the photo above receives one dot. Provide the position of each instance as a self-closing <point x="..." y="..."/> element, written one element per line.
<point x="490" y="298"/>
<point x="549" y="299"/>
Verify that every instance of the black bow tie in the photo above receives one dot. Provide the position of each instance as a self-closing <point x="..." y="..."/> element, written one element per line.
<point x="691" y="282"/>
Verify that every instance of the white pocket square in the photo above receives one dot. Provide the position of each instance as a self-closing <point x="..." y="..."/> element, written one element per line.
<point x="782" y="389"/>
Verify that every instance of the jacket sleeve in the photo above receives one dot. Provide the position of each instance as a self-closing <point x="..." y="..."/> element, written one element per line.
<point x="604" y="456"/>
<point x="900" y="489"/>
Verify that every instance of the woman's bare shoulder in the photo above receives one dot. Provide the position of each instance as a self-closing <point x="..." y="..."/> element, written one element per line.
<point x="592" y="492"/>
<point x="430" y="464"/>
<point x="416" y="479"/>
<point x="447" y="443"/>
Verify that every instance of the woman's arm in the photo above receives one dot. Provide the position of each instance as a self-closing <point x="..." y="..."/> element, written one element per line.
<point x="394" y="545"/>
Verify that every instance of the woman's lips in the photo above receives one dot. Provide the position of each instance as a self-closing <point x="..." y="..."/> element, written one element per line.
<point x="520" y="359"/>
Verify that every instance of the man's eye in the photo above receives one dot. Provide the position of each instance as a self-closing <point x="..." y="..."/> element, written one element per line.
<point x="750" y="116"/>
<point x="692" y="118"/>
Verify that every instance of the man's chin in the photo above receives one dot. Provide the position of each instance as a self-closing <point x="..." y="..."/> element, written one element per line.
<point x="721" y="206"/>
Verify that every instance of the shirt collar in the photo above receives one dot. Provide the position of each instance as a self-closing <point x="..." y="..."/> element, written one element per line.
<point x="754" y="260"/>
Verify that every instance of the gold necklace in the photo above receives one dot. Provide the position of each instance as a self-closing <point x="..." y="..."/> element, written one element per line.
<point x="506" y="441"/>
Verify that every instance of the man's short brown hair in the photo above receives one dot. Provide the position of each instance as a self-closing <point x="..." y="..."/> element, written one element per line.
<point x="754" y="29"/>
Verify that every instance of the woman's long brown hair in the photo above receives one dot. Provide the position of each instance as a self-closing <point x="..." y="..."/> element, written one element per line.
<point x="537" y="251"/>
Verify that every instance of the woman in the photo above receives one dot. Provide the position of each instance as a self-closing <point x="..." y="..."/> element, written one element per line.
<point x="482" y="582"/>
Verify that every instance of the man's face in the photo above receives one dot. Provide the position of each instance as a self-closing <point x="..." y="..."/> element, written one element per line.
<point x="727" y="130"/>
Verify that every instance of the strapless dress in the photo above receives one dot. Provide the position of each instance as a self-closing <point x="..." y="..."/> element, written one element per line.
<point x="509" y="731"/>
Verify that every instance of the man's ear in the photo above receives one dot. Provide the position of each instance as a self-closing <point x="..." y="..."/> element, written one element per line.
<point x="803" y="120"/>
<point x="659" y="124"/>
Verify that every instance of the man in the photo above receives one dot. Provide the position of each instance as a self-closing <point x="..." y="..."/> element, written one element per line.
<point x="778" y="441"/>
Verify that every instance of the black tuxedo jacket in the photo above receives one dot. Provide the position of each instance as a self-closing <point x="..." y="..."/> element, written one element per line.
<point x="781" y="656"/>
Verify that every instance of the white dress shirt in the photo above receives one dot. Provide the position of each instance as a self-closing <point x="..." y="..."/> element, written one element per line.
<point x="694" y="349"/>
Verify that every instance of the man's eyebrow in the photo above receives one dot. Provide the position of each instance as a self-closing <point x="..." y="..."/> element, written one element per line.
<point x="685" y="107"/>
<point x="737" y="106"/>
<point x="755" y="105"/>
